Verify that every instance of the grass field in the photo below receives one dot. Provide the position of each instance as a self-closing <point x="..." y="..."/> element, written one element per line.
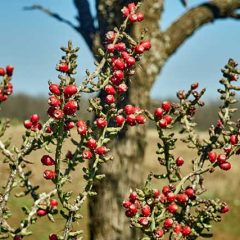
<point x="224" y="185"/>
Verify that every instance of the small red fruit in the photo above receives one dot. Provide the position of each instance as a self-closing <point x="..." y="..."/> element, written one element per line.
<point x="225" y="166"/>
<point x="166" y="105"/>
<point x="194" y="86"/>
<point x="122" y="88"/>
<point x="146" y="44"/>
<point x="143" y="221"/>
<point x="158" y="113"/>
<point x="47" y="160"/>
<point x="49" y="174"/>
<point x="168" y="119"/>
<point x="41" y="212"/>
<point x="87" y="154"/>
<point x="53" y="237"/>
<point x="140" y="16"/>
<point x="139" y="49"/>
<point x="171" y="197"/>
<point x="133" y="18"/>
<point x="146" y="211"/>
<point x="53" y="203"/>
<point x="109" y="89"/>
<point x="119" y="120"/>
<point x="101" y="150"/>
<point x="81" y="127"/>
<point x="110" y="36"/>
<point x="63" y="67"/>
<point x="140" y="119"/>
<point x="131" y="7"/>
<point x="163" y="123"/>
<point x="91" y="143"/>
<point x="172" y="208"/>
<point x="133" y="197"/>
<point x="131" y="120"/>
<point x="224" y="209"/>
<point x="2" y="71"/>
<point x="182" y="198"/>
<point x="110" y="99"/>
<point x="126" y="204"/>
<point x="186" y="230"/>
<point x="129" y="109"/>
<point x="18" y="237"/>
<point x="166" y="190"/>
<point x="168" y="223"/>
<point x="156" y="193"/>
<point x="70" y="90"/>
<point x="119" y="64"/>
<point x="190" y="192"/>
<point x="221" y="158"/>
<point x="70" y="107"/>
<point x="101" y="122"/>
<point x="158" y="233"/>
<point x="119" y="74"/>
<point x="9" y="70"/>
<point x="179" y="161"/>
<point x="54" y="101"/>
<point x="177" y="229"/>
<point x="27" y="124"/>
<point x="34" y="118"/>
<point x="212" y="156"/>
<point x="55" y="89"/>
<point x="57" y="114"/>
<point x="233" y="139"/>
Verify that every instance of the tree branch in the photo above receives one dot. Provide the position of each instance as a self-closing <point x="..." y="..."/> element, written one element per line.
<point x="195" y="18"/>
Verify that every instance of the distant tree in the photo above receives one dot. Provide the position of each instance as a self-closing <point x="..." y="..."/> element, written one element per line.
<point x="107" y="221"/>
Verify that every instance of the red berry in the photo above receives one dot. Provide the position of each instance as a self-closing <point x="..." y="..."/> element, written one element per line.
<point x="186" y="230"/>
<point x="81" y="127"/>
<point x="87" y="154"/>
<point x="212" y="156"/>
<point x="177" y="229"/>
<point x="34" y="118"/>
<point x="47" y="160"/>
<point x="55" y="89"/>
<point x="119" y="64"/>
<point x="146" y="211"/>
<point x="133" y="196"/>
<point x="190" y="192"/>
<point x="115" y="81"/>
<point x="168" y="119"/>
<point x="53" y="237"/>
<point x="146" y="44"/>
<point x="158" y="233"/>
<point x="172" y="208"/>
<point x="158" y="113"/>
<point x="166" y="190"/>
<point x="69" y="155"/>
<point x="126" y="204"/>
<point x="129" y="109"/>
<point x="171" y="197"/>
<point x="70" y="90"/>
<point x="182" y="198"/>
<point x="131" y="120"/>
<point x="225" y="166"/>
<point x="125" y="11"/>
<point x="143" y="221"/>
<point x="133" y="18"/>
<point x="70" y="107"/>
<point x="41" y="212"/>
<point x="166" y="105"/>
<point x="110" y="48"/>
<point x="139" y="49"/>
<point x="27" y="124"/>
<point x="101" y="122"/>
<point x="156" y="193"/>
<point x="109" y="89"/>
<point x="140" y="119"/>
<point x="49" y="174"/>
<point x="9" y="70"/>
<point x="119" y="74"/>
<point x="179" y="161"/>
<point x="110" y="99"/>
<point x="168" y="223"/>
<point x="133" y="209"/>
<point x="122" y="88"/>
<point x="2" y="71"/>
<point x="54" y="101"/>
<point x="120" y="46"/>
<point x="57" y="114"/>
<point x="163" y="123"/>
<point x="91" y="143"/>
<point x="69" y="125"/>
<point x="227" y="148"/>
<point x="53" y="203"/>
<point x="110" y="36"/>
<point x="224" y="209"/>
<point x="194" y="86"/>
<point x="63" y="67"/>
<point x="233" y="139"/>
<point x="101" y="150"/>
<point x="130" y="61"/>
<point x="119" y="120"/>
<point x="140" y="16"/>
<point x="221" y="158"/>
<point x="131" y="7"/>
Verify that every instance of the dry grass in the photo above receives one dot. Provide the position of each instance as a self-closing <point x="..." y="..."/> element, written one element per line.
<point x="220" y="184"/>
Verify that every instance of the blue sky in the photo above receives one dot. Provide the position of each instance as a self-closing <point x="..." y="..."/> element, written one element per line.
<point x="30" y="41"/>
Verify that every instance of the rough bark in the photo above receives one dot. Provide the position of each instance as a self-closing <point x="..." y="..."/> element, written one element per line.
<point x="106" y="214"/>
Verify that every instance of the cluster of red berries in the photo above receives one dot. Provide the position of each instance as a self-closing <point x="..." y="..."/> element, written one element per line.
<point x="130" y="12"/>
<point x="59" y="107"/>
<point x="33" y="123"/>
<point x="142" y="210"/>
<point x="41" y="212"/>
<point x="7" y="89"/>
<point x="221" y="159"/>
<point x="47" y="160"/>
<point x="162" y="116"/>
